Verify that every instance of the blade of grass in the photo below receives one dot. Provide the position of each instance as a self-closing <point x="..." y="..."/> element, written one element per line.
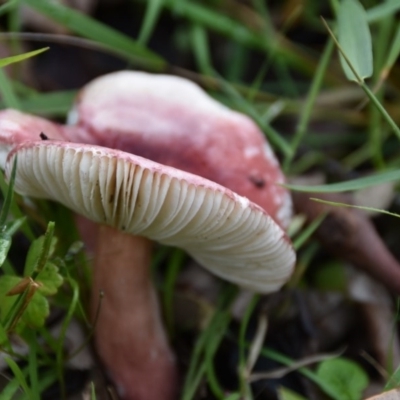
<point x="19" y="375"/>
<point x="394" y="52"/>
<point x="307" y="232"/>
<point x="201" y="51"/>
<point x="198" y="365"/>
<point x="7" y="91"/>
<point x="33" y="363"/>
<point x="175" y="264"/>
<point x="305" y="114"/>
<point x="44" y="253"/>
<point x="337" y="204"/>
<point x="242" y="367"/>
<point x="238" y="32"/>
<point x="213" y="344"/>
<point x="360" y="183"/>
<point x="92" y="29"/>
<point x="382" y="10"/>
<point x="150" y="19"/>
<point x="20" y="57"/>
<point x="92" y="391"/>
<point x="5" y="8"/>
<point x="61" y="339"/>
<point x="246" y="107"/>
<point x="50" y="104"/>
<point x="9" y="196"/>
<point x="8" y="392"/>
<point x="15" y="211"/>
<point x="274" y="355"/>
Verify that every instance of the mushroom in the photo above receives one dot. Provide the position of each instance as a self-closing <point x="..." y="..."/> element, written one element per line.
<point x="172" y="121"/>
<point x="17" y="127"/>
<point x="136" y="200"/>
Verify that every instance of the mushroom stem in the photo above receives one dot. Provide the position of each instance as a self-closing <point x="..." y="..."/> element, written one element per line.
<point x="129" y="334"/>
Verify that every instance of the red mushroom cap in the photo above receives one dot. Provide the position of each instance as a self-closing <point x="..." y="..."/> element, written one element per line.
<point x="172" y="121"/>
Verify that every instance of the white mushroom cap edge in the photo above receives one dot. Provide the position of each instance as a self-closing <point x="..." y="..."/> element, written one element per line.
<point x="226" y="233"/>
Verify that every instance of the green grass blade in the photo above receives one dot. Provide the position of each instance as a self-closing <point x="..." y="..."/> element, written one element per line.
<point x="242" y="367"/>
<point x="8" y="392"/>
<point x="92" y="391"/>
<point x="92" y="29"/>
<point x="198" y="364"/>
<point x="175" y="264"/>
<point x="9" y="196"/>
<point x="307" y="232"/>
<point x="394" y="380"/>
<point x="201" y="49"/>
<point x="50" y="104"/>
<point x="74" y="301"/>
<point x="150" y="19"/>
<point x="10" y="99"/>
<point x="382" y="10"/>
<point x="19" y="375"/>
<point x="381" y="109"/>
<point x="305" y="114"/>
<point x="44" y="252"/>
<point x="5" y="8"/>
<point x="21" y="57"/>
<point x="33" y="364"/>
<point x="233" y="396"/>
<point x="246" y="107"/>
<point x="365" y="208"/>
<point x="274" y="355"/>
<point x="218" y="332"/>
<point x="360" y="183"/>
<point x="355" y="40"/>
<point x="394" y="49"/>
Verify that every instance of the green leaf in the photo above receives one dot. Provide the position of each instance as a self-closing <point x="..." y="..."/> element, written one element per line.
<point x="355" y="40"/>
<point x="35" y="253"/>
<point x="36" y="312"/>
<point x="50" y="279"/>
<point x="344" y="377"/>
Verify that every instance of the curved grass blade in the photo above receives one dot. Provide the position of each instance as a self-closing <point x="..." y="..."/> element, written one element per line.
<point x="20" y="57"/>
<point x="360" y="183"/>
